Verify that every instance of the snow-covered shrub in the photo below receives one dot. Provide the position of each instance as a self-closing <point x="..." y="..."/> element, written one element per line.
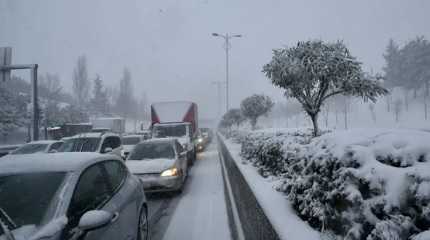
<point x="266" y="150"/>
<point x="356" y="184"/>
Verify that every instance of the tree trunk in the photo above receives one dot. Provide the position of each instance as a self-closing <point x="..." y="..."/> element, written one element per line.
<point x="314" y="118"/>
<point x="253" y="123"/>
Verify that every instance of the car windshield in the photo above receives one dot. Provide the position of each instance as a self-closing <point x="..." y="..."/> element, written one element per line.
<point x="27" y="197"/>
<point x="30" y="148"/>
<point x="130" y="140"/>
<point x="152" y="151"/>
<point x="80" y="145"/>
<point x="170" y="131"/>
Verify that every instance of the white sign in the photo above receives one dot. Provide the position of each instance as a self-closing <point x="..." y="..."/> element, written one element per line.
<point x="5" y="59"/>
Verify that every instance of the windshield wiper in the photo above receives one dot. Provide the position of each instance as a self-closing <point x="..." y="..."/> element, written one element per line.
<point x="3" y="225"/>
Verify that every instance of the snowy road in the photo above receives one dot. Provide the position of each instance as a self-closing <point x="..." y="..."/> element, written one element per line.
<point x="200" y="211"/>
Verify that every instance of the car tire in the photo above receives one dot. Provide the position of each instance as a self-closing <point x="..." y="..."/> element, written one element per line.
<point x="143" y="225"/>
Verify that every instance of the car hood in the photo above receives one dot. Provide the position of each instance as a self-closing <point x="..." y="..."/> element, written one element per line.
<point x="31" y="232"/>
<point x="149" y="166"/>
<point x="127" y="148"/>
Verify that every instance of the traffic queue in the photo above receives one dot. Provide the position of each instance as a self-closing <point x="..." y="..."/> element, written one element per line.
<point x="77" y="185"/>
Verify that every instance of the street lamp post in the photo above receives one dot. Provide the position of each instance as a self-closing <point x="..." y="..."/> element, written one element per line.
<point x="227" y="38"/>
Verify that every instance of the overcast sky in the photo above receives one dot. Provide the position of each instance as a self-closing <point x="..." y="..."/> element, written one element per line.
<point x="168" y="47"/>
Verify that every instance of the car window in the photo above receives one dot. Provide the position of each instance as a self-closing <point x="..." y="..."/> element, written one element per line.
<point x="27" y="197"/>
<point x="90" y="193"/>
<point x="115" y="142"/>
<point x="152" y="150"/>
<point x="55" y="146"/>
<point x="130" y="140"/>
<point x="116" y="173"/>
<point x="30" y="148"/>
<point x="107" y="143"/>
<point x="80" y="145"/>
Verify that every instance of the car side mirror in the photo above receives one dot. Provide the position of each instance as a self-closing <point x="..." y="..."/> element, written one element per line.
<point x="108" y="150"/>
<point x="94" y="219"/>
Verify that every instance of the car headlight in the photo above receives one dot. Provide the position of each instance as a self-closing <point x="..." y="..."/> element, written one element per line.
<point x="200" y="140"/>
<point x="170" y="172"/>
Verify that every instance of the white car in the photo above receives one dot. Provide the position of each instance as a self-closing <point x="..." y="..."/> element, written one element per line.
<point x="161" y="164"/>
<point x="129" y="141"/>
<point x="43" y="146"/>
<point x="93" y="142"/>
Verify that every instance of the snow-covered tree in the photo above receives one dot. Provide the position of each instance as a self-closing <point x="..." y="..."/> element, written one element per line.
<point x="13" y="111"/>
<point x="255" y="106"/>
<point x="99" y="101"/>
<point x="81" y="83"/>
<point x="52" y="93"/>
<point x="314" y="71"/>
<point x="235" y="116"/>
<point x="126" y="104"/>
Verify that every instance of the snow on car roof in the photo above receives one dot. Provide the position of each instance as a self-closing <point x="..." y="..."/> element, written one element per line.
<point x="171" y="111"/>
<point x="53" y="162"/>
<point x="132" y="135"/>
<point x="93" y="135"/>
<point x="158" y="140"/>
<point x="43" y="142"/>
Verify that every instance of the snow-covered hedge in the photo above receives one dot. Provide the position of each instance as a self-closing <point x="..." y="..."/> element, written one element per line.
<point x="357" y="184"/>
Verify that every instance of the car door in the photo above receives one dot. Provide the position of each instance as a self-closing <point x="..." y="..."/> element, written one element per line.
<point x="124" y="198"/>
<point x="92" y="192"/>
<point x="116" y="146"/>
<point x="182" y="158"/>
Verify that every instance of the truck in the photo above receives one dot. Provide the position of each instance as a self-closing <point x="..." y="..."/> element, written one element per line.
<point x="68" y="130"/>
<point x="179" y="120"/>
<point x="112" y="124"/>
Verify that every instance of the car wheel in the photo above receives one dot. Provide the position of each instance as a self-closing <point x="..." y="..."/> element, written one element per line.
<point x="143" y="228"/>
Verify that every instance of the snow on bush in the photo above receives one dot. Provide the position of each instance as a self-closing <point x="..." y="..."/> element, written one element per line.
<point x="360" y="184"/>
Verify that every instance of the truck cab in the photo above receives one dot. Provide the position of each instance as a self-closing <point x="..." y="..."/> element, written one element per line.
<point x="181" y="131"/>
<point x="177" y="119"/>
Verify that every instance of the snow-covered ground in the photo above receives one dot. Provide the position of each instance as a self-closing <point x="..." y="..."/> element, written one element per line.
<point x="201" y="211"/>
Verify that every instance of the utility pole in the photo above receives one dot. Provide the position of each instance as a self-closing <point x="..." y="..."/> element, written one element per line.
<point x="5" y="70"/>
<point x="219" y="95"/>
<point x="227" y="46"/>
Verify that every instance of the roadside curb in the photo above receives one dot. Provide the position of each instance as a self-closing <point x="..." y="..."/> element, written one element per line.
<point x="246" y="216"/>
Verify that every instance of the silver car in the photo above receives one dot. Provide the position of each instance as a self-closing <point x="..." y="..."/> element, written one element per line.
<point x="161" y="164"/>
<point x="70" y="196"/>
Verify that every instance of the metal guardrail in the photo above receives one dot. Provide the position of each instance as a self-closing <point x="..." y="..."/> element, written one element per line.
<point x="247" y="219"/>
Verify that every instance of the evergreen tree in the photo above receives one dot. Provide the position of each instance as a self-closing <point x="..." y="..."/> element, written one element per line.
<point x="81" y="83"/>
<point x="100" y="101"/>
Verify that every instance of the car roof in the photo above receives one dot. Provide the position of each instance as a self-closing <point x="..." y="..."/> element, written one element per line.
<point x="93" y="135"/>
<point x="132" y="135"/>
<point x="43" y="142"/>
<point x="160" y="140"/>
<point x="53" y="162"/>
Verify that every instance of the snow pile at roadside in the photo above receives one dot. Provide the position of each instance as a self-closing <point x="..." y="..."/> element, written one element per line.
<point x="360" y="184"/>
